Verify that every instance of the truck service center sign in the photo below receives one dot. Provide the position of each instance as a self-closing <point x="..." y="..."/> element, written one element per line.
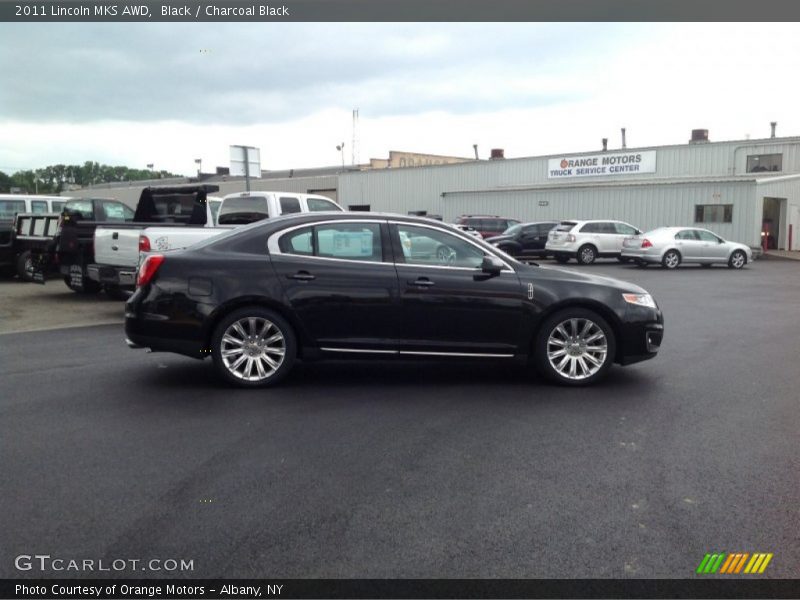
<point x="597" y="165"/>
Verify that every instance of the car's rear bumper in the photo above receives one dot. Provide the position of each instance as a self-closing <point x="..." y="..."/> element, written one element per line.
<point x="124" y="277"/>
<point x="641" y="255"/>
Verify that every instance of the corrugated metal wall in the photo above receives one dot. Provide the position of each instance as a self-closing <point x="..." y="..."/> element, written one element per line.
<point x="790" y="190"/>
<point x="644" y="206"/>
<point x="420" y="188"/>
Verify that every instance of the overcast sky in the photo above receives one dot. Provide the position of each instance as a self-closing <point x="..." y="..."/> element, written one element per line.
<point x="138" y="93"/>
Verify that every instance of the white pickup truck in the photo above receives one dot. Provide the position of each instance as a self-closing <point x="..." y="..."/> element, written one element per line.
<point x="118" y="249"/>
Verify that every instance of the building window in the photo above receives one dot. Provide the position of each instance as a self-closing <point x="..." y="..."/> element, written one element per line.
<point x="713" y="213"/>
<point x="757" y="163"/>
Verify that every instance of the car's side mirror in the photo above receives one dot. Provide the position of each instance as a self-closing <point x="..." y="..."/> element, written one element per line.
<point x="491" y="265"/>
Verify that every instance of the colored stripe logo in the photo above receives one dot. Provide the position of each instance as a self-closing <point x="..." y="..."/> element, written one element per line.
<point x="734" y="563"/>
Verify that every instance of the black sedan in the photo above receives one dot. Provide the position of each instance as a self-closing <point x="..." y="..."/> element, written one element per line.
<point x="260" y="297"/>
<point x="524" y="239"/>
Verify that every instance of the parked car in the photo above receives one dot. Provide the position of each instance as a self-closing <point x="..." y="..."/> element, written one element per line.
<point x="467" y="229"/>
<point x="118" y="249"/>
<point x="671" y="246"/>
<point x="524" y="239"/>
<point x="486" y="225"/>
<point x="15" y="259"/>
<point x="586" y="241"/>
<point x="311" y="286"/>
<point x="66" y="241"/>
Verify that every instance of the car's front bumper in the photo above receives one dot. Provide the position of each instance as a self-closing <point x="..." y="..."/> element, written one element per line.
<point x="641" y="335"/>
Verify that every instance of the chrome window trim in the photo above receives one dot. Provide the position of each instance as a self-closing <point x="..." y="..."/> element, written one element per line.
<point x="274" y="249"/>
<point x="360" y="350"/>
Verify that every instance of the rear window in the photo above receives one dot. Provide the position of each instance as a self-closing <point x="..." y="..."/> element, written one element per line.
<point x="39" y="206"/>
<point x="565" y="226"/>
<point x="174" y="205"/>
<point x="245" y="209"/>
<point x="57" y="205"/>
<point x="116" y="211"/>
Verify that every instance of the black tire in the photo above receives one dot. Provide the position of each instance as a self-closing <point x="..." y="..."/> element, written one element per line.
<point x="623" y="259"/>
<point x="550" y="328"/>
<point x="116" y="293"/>
<point x="278" y="324"/>
<point x="89" y="286"/>
<point x="560" y="258"/>
<point x="671" y="259"/>
<point x="737" y="260"/>
<point x="587" y="254"/>
<point x="642" y="264"/>
<point x="705" y="265"/>
<point x="23" y="261"/>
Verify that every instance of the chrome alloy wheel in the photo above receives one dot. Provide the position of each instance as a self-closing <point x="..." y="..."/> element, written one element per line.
<point x="738" y="259"/>
<point x="671" y="260"/>
<point x="252" y="348"/>
<point x="577" y="348"/>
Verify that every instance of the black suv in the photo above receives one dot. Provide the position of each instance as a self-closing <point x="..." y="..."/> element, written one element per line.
<point x="524" y="239"/>
<point x="486" y="225"/>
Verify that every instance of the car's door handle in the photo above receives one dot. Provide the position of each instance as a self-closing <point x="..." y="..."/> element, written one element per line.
<point x="115" y="247"/>
<point x="302" y="276"/>
<point x="421" y="282"/>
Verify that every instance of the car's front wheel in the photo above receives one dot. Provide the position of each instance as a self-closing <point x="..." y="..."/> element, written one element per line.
<point x="575" y="346"/>
<point x="253" y="347"/>
<point x="737" y="260"/>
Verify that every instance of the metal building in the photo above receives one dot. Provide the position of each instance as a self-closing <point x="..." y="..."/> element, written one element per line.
<point x="737" y="189"/>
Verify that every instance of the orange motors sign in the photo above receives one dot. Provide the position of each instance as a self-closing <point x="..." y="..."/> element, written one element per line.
<point x="602" y="165"/>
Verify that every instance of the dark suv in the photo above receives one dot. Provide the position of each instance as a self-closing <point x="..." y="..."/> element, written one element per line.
<point x="486" y="225"/>
<point x="524" y="239"/>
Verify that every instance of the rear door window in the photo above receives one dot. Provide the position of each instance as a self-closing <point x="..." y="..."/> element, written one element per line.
<point x="592" y="228"/>
<point x="57" y="205"/>
<point x="39" y="206"/>
<point x="686" y="234"/>
<point x="290" y="205"/>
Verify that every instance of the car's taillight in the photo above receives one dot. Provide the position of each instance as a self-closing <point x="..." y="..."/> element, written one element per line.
<point x="647" y="243"/>
<point x="148" y="269"/>
<point x="570" y="237"/>
<point x="144" y="243"/>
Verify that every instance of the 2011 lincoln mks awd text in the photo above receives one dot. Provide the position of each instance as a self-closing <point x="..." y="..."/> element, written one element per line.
<point x="339" y="285"/>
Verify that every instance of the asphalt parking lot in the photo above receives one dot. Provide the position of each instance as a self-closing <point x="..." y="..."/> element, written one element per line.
<point x="415" y="469"/>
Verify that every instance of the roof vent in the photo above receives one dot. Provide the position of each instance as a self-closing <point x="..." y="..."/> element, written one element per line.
<point x="699" y="136"/>
<point x="498" y="154"/>
<point x="773" y="125"/>
<point x="605" y="144"/>
<point x="624" y="142"/>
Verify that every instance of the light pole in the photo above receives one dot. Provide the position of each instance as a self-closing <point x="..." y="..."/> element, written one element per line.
<point x="150" y="167"/>
<point x="340" y="148"/>
<point x="199" y="163"/>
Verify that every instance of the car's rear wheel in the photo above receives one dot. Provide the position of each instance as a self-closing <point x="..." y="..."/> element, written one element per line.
<point x="560" y="258"/>
<point x="641" y="264"/>
<point x="737" y="260"/>
<point x="671" y="259"/>
<point x="25" y="266"/>
<point x="587" y="254"/>
<point x="253" y="347"/>
<point x="623" y="259"/>
<point x="575" y="346"/>
<point x="116" y="293"/>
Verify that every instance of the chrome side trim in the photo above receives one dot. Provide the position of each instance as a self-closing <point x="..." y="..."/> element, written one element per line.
<point x="468" y="354"/>
<point x="418" y="353"/>
<point x="360" y="351"/>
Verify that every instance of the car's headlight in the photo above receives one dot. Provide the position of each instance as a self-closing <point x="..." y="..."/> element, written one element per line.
<point x="640" y="300"/>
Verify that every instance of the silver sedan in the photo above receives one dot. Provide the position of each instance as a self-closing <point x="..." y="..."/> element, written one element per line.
<point x="671" y="246"/>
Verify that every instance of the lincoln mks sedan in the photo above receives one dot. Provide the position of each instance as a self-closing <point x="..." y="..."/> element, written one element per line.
<point x="357" y="285"/>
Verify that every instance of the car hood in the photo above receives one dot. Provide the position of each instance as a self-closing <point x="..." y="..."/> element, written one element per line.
<point x="532" y="273"/>
<point x="499" y="238"/>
